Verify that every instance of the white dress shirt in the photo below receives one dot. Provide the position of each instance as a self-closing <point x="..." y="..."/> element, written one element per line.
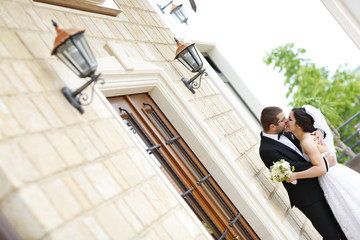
<point x="284" y="140"/>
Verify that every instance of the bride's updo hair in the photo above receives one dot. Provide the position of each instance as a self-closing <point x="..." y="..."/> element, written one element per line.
<point x="304" y="120"/>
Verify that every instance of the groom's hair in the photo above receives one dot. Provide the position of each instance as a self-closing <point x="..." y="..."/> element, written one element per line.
<point x="304" y="120"/>
<point x="269" y="116"/>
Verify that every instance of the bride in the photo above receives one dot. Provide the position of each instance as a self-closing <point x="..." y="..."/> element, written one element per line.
<point x="341" y="185"/>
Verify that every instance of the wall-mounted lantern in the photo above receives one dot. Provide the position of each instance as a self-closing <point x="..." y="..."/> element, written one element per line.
<point x="72" y="48"/>
<point x="177" y="11"/>
<point x="188" y="55"/>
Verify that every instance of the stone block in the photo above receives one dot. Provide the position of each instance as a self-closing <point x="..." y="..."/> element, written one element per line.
<point x="108" y="133"/>
<point x="127" y="169"/>
<point x="14" y="45"/>
<point x="98" y="106"/>
<point x="62" y="198"/>
<point x="6" y="119"/>
<point x="157" y="36"/>
<point x="95" y="228"/>
<point x="14" y="84"/>
<point x="166" y="51"/>
<point x="65" y="148"/>
<point x="78" y="194"/>
<point x="6" y="18"/>
<point x="90" y="26"/>
<point x="149" y="235"/>
<point x="35" y="44"/>
<point x="19" y="15"/>
<point x="45" y="159"/>
<point x="160" y="197"/>
<point x="159" y="229"/>
<point x="6" y="185"/>
<point x="99" y="145"/>
<point x="16" y="211"/>
<point x="86" y="187"/>
<point x="45" y="73"/>
<point x="40" y="206"/>
<point x="148" y="18"/>
<point x="142" y="162"/>
<point x="102" y="180"/>
<point x="148" y="52"/>
<point x="115" y="31"/>
<point x="15" y="166"/>
<point x="27" y="77"/>
<point x="38" y="23"/>
<point x="124" y="31"/>
<point x="177" y="228"/>
<point x="4" y="53"/>
<point x="189" y="222"/>
<point x="131" y="217"/>
<point x="68" y="114"/>
<point x="114" y="223"/>
<point x="103" y="28"/>
<point x="82" y="143"/>
<point x="74" y="230"/>
<point x="140" y="205"/>
<point x="115" y="173"/>
<point x="47" y="111"/>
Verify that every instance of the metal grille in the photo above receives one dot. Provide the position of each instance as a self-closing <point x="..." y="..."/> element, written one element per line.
<point x="204" y="177"/>
<point x="187" y="192"/>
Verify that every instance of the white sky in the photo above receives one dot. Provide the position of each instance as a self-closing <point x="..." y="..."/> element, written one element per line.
<point x="245" y="30"/>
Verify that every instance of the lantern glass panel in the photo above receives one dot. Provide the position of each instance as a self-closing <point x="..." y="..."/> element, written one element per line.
<point x="195" y="54"/>
<point x="77" y="55"/>
<point x="81" y="42"/>
<point x="180" y="13"/>
<point x="185" y="63"/>
<point x="190" y="59"/>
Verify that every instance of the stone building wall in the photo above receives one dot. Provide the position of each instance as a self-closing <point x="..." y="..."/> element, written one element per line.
<point x="66" y="175"/>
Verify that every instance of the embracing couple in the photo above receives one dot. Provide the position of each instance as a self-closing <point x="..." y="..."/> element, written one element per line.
<point x="326" y="192"/>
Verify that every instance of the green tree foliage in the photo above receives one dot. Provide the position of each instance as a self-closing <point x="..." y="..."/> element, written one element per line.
<point x="337" y="96"/>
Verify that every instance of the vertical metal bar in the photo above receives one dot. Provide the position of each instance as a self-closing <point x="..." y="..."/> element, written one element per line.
<point x="204" y="179"/>
<point x="187" y="192"/>
<point x="223" y="235"/>
<point x="235" y="219"/>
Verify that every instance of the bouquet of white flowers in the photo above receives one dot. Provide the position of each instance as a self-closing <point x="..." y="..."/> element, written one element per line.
<point x="280" y="171"/>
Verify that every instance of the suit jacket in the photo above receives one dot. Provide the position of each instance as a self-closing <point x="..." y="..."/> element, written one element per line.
<point x="306" y="191"/>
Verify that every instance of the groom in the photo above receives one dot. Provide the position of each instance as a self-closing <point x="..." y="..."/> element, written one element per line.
<point x="307" y="194"/>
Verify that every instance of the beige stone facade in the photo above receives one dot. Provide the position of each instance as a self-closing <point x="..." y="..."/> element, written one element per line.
<point x="66" y="175"/>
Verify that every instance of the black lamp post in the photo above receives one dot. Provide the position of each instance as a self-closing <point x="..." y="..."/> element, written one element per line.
<point x="72" y="48"/>
<point x="188" y="55"/>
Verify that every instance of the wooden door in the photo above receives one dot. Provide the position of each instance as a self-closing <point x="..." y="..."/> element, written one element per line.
<point x="184" y="170"/>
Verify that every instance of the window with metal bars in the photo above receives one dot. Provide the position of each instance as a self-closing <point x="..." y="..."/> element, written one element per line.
<point x="186" y="172"/>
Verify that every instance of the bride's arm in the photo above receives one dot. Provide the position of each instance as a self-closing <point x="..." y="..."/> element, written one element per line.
<point x="318" y="168"/>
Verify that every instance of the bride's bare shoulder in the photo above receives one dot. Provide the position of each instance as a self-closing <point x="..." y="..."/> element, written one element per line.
<point x="308" y="142"/>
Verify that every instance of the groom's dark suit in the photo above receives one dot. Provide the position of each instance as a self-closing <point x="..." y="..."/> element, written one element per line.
<point x="307" y="194"/>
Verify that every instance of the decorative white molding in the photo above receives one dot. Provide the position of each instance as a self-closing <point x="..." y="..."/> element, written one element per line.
<point x="344" y="13"/>
<point x="148" y="78"/>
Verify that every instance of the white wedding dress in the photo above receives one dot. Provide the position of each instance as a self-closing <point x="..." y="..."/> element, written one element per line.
<point x="341" y="185"/>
